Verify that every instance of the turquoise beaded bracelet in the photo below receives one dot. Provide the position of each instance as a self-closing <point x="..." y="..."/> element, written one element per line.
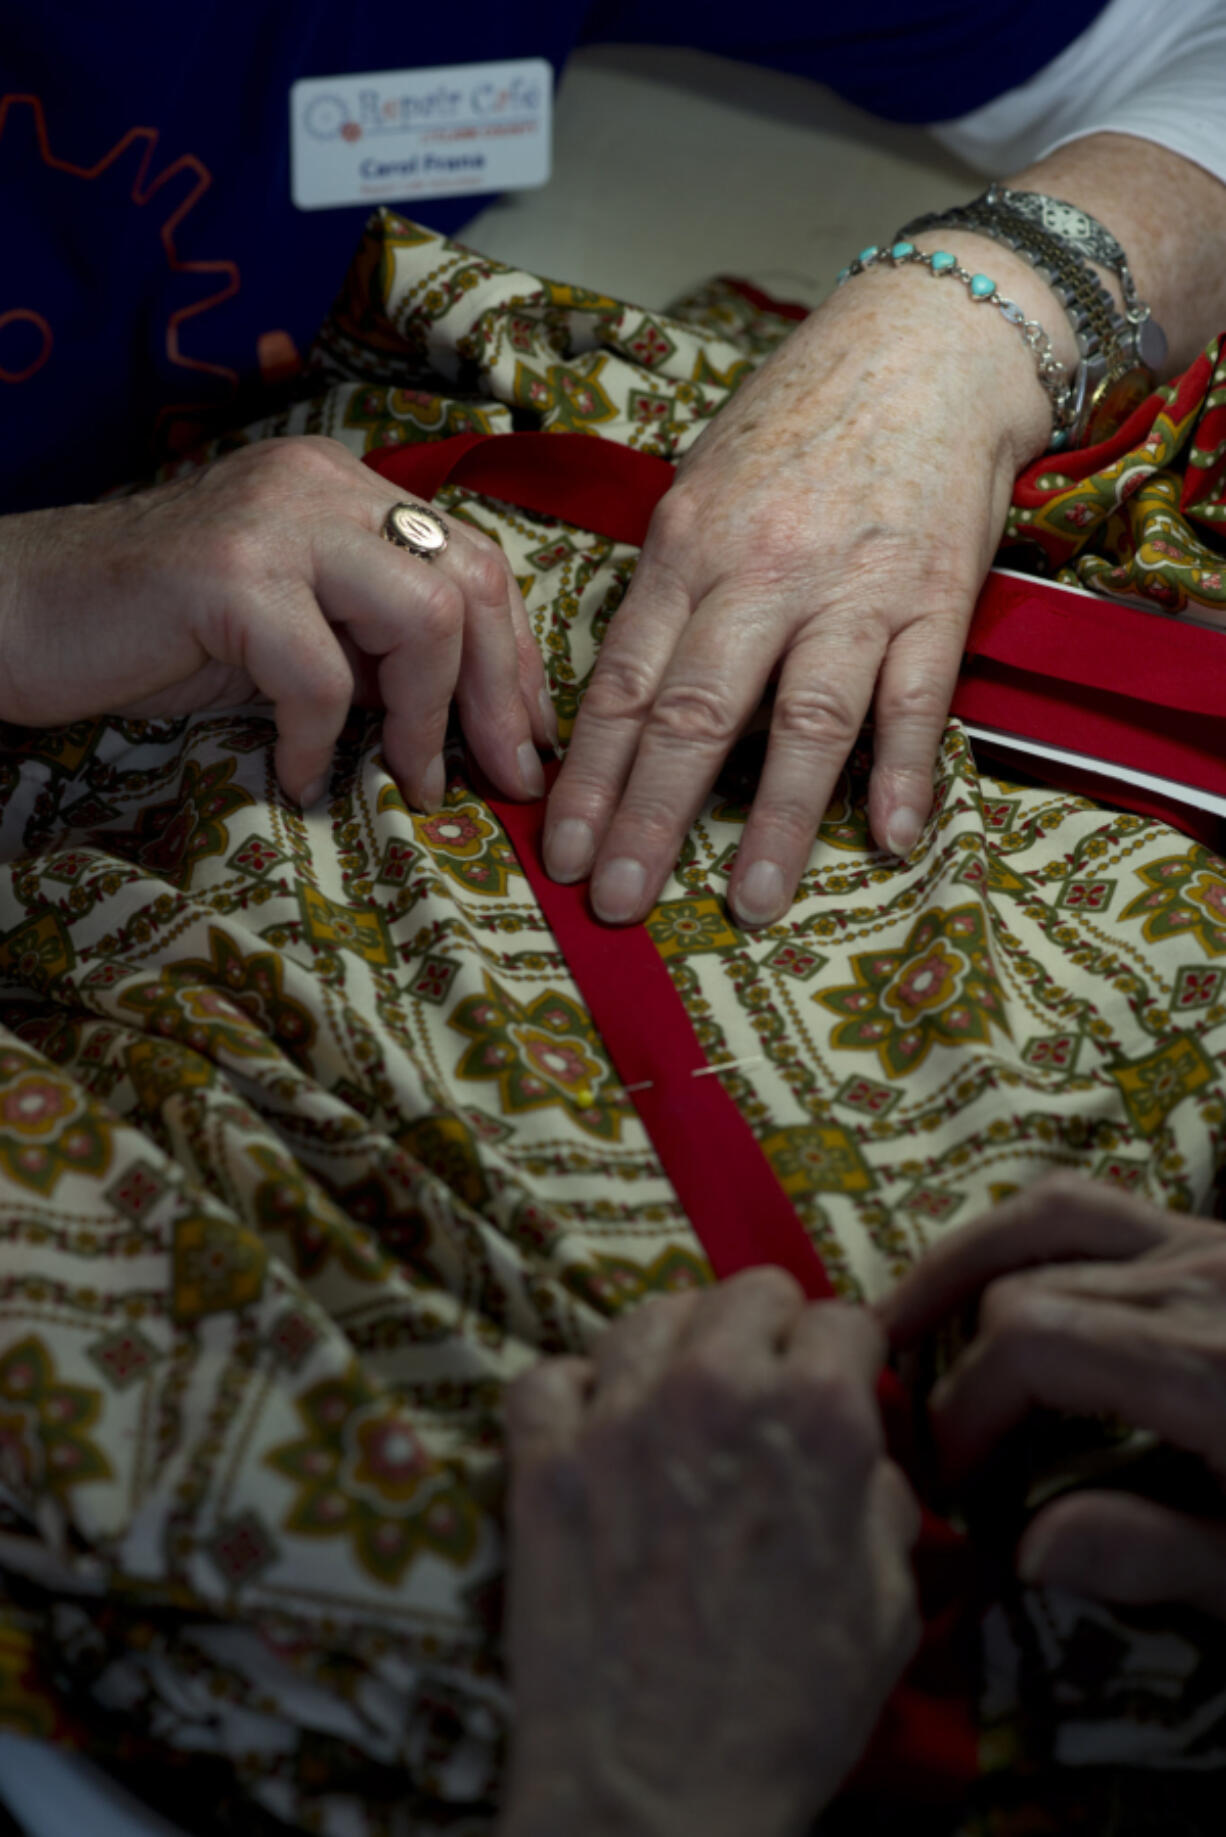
<point x="1052" y="373"/>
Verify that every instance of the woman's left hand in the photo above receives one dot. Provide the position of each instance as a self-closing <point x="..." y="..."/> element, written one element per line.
<point x="1090" y="1302"/>
<point x="833" y="525"/>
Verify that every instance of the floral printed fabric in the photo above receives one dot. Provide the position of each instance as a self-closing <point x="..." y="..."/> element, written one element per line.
<point x="308" y="1145"/>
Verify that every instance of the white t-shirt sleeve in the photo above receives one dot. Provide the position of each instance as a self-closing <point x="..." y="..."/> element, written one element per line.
<point x="1155" y="69"/>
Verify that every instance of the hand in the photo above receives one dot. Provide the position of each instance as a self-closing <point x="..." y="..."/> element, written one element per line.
<point x="830" y="528"/>
<point x="266" y="575"/>
<point x="710" y="1596"/>
<point x="1090" y="1302"/>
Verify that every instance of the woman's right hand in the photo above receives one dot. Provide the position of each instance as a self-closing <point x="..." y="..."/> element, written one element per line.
<point x="265" y="575"/>
<point x="710" y="1588"/>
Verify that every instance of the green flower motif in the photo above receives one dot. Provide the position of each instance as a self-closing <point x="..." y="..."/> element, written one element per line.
<point x="362" y="1473"/>
<point x="539" y="1054"/>
<point x="43" y="1424"/>
<point x="1186" y="899"/>
<point x="47" y="1127"/>
<point x="940" y="989"/>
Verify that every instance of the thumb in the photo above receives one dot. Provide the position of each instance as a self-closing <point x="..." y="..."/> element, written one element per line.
<point x="1119" y="1547"/>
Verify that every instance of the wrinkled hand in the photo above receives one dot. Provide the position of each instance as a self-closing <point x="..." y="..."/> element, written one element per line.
<point x="265" y="574"/>
<point x="1090" y="1302"/>
<point x="833" y="525"/>
<point x="710" y="1595"/>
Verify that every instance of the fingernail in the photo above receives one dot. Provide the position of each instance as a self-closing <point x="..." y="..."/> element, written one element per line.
<point x="550" y="717"/>
<point x="760" y="896"/>
<point x="617" y="891"/>
<point x="531" y="772"/>
<point x="315" y="793"/>
<point x="434" y="784"/>
<point x="903" y="831"/>
<point x="569" y="848"/>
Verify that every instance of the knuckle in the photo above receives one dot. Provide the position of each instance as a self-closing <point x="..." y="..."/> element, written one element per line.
<point x="292" y="463"/>
<point x="237" y="554"/>
<point x="621" y="689"/>
<point x="918" y="702"/>
<point x="440" y="609"/>
<point x="327" y="690"/>
<point x="692" y="713"/>
<point x="485" y="574"/>
<point x="1011" y="1313"/>
<point x="678" y="519"/>
<point x="309" y="455"/>
<point x="817" y="716"/>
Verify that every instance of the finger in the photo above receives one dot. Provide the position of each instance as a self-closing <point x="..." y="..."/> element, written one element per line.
<point x="534" y="690"/>
<point x="824" y="692"/>
<point x="709" y="692"/>
<point x="632" y="661"/>
<point x="1062" y="1218"/>
<point x="1039" y="1349"/>
<point x="533" y="685"/>
<point x="739" y="1329"/>
<point x="441" y="626"/>
<point x="830" y="1334"/>
<point x="914" y="690"/>
<point x="1118" y="1547"/>
<point x="493" y="710"/>
<point x="545" y="1408"/>
<point x="632" y="1355"/>
<point x="293" y="657"/>
<point x="826" y="1393"/>
<point x="409" y="615"/>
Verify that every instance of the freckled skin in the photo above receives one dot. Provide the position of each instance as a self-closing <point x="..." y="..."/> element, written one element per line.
<point x="858" y="482"/>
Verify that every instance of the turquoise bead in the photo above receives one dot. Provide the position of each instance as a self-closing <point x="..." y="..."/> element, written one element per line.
<point x="902" y="248"/>
<point x="942" y="261"/>
<point x="981" y="286"/>
<point x="842" y="275"/>
<point x="866" y="255"/>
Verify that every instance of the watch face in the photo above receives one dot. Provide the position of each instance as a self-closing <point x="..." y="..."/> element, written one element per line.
<point x="1113" y="401"/>
<point x="1061" y="219"/>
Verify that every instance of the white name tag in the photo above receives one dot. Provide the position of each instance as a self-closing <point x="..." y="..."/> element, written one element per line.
<point x="420" y="133"/>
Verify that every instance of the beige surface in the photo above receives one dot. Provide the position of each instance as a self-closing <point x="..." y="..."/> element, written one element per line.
<point x="670" y="166"/>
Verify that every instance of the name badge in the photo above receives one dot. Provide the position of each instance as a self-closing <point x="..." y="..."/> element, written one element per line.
<point x="396" y="134"/>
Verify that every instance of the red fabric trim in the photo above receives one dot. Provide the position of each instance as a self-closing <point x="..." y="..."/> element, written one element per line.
<point x="594" y="484"/>
<point x="707" y="1149"/>
<point x="765" y="302"/>
<point x="927" y="1744"/>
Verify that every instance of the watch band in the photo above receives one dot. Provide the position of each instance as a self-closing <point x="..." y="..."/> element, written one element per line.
<point x="1119" y="351"/>
<point x="1078" y="230"/>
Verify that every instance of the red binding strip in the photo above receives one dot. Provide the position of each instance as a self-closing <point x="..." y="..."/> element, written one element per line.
<point x="594" y="484"/>
<point x="927" y="1742"/>
<point x="725" y="1185"/>
<point x="1120" y="684"/>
